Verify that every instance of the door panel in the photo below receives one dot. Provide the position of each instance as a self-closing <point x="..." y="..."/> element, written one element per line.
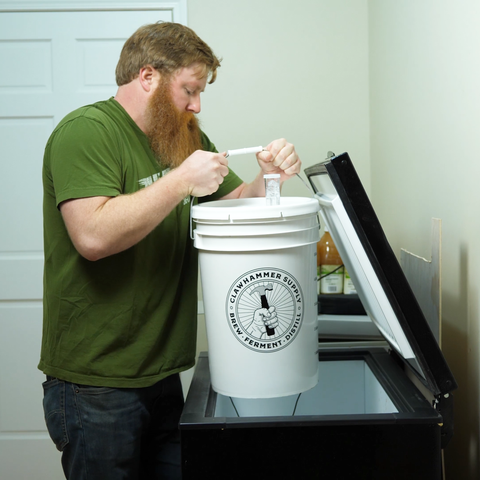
<point x="52" y="62"/>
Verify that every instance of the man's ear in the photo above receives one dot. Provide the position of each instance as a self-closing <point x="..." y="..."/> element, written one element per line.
<point x="147" y="77"/>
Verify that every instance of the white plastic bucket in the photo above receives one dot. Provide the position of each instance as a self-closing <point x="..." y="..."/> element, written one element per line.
<point x="257" y="262"/>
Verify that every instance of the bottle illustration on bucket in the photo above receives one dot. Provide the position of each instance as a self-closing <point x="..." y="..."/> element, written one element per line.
<point x="265" y="318"/>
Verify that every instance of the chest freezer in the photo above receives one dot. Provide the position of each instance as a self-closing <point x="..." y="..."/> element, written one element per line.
<point x="366" y="417"/>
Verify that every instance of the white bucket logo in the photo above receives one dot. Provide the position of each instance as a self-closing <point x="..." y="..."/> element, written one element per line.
<point x="265" y="309"/>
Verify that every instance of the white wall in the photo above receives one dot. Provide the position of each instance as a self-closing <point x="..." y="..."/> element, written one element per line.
<point x="425" y="121"/>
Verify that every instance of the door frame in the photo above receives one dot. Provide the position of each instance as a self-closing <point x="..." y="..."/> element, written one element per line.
<point x="177" y="7"/>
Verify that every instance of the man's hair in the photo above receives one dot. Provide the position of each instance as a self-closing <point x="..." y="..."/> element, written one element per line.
<point x="167" y="47"/>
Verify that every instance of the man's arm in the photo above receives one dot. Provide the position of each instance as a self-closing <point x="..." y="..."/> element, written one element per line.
<point x="103" y="226"/>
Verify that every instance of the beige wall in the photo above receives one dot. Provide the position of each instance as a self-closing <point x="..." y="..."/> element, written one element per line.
<point x="297" y="70"/>
<point x="425" y="123"/>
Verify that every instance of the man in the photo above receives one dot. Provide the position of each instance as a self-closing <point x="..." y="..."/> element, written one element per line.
<point x="120" y="268"/>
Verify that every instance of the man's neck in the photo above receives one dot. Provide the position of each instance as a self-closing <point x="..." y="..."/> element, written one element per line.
<point x="134" y="101"/>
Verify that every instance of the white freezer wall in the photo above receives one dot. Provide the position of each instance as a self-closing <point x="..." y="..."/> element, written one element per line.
<point x="425" y="148"/>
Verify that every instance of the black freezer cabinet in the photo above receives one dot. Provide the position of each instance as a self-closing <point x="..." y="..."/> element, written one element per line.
<point x="364" y="419"/>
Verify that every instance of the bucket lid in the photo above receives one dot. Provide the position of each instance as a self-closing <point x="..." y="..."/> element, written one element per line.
<point x="254" y="208"/>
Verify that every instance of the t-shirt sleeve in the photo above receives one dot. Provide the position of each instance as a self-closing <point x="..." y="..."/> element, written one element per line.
<point x="230" y="182"/>
<point x="84" y="161"/>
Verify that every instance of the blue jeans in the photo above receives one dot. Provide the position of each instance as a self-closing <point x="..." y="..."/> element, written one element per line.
<point x="115" y="433"/>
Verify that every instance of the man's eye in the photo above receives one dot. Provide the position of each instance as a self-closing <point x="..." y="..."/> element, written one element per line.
<point x="188" y="91"/>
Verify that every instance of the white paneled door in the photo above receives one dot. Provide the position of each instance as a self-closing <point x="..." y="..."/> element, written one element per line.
<point x="50" y="63"/>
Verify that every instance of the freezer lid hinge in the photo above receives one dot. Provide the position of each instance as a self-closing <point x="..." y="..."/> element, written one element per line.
<point x="443" y="403"/>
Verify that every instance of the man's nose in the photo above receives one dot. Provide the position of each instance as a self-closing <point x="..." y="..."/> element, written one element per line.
<point x="194" y="105"/>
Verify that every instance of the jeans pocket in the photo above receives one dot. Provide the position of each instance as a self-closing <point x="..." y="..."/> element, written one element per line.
<point x="54" y="410"/>
<point x="92" y="390"/>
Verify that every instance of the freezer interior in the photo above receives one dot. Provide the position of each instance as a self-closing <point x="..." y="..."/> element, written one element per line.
<point x="345" y="387"/>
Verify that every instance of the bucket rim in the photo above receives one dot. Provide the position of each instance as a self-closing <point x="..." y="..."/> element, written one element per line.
<point x="208" y="232"/>
<point x="254" y="208"/>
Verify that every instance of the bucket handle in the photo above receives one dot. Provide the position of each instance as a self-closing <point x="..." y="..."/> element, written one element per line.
<point x="310" y="189"/>
<point x="192" y="201"/>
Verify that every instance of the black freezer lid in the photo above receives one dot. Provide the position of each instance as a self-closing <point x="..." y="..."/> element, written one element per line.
<point x="376" y="273"/>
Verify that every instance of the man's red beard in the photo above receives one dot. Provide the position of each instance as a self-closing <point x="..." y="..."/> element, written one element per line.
<point x="174" y="135"/>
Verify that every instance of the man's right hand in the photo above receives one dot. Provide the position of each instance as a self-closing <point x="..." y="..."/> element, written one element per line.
<point x="203" y="172"/>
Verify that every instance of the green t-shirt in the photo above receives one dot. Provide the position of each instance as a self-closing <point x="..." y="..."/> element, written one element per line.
<point x="130" y="319"/>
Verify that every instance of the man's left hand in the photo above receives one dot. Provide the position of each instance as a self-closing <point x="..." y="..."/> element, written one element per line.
<point x="279" y="156"/>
